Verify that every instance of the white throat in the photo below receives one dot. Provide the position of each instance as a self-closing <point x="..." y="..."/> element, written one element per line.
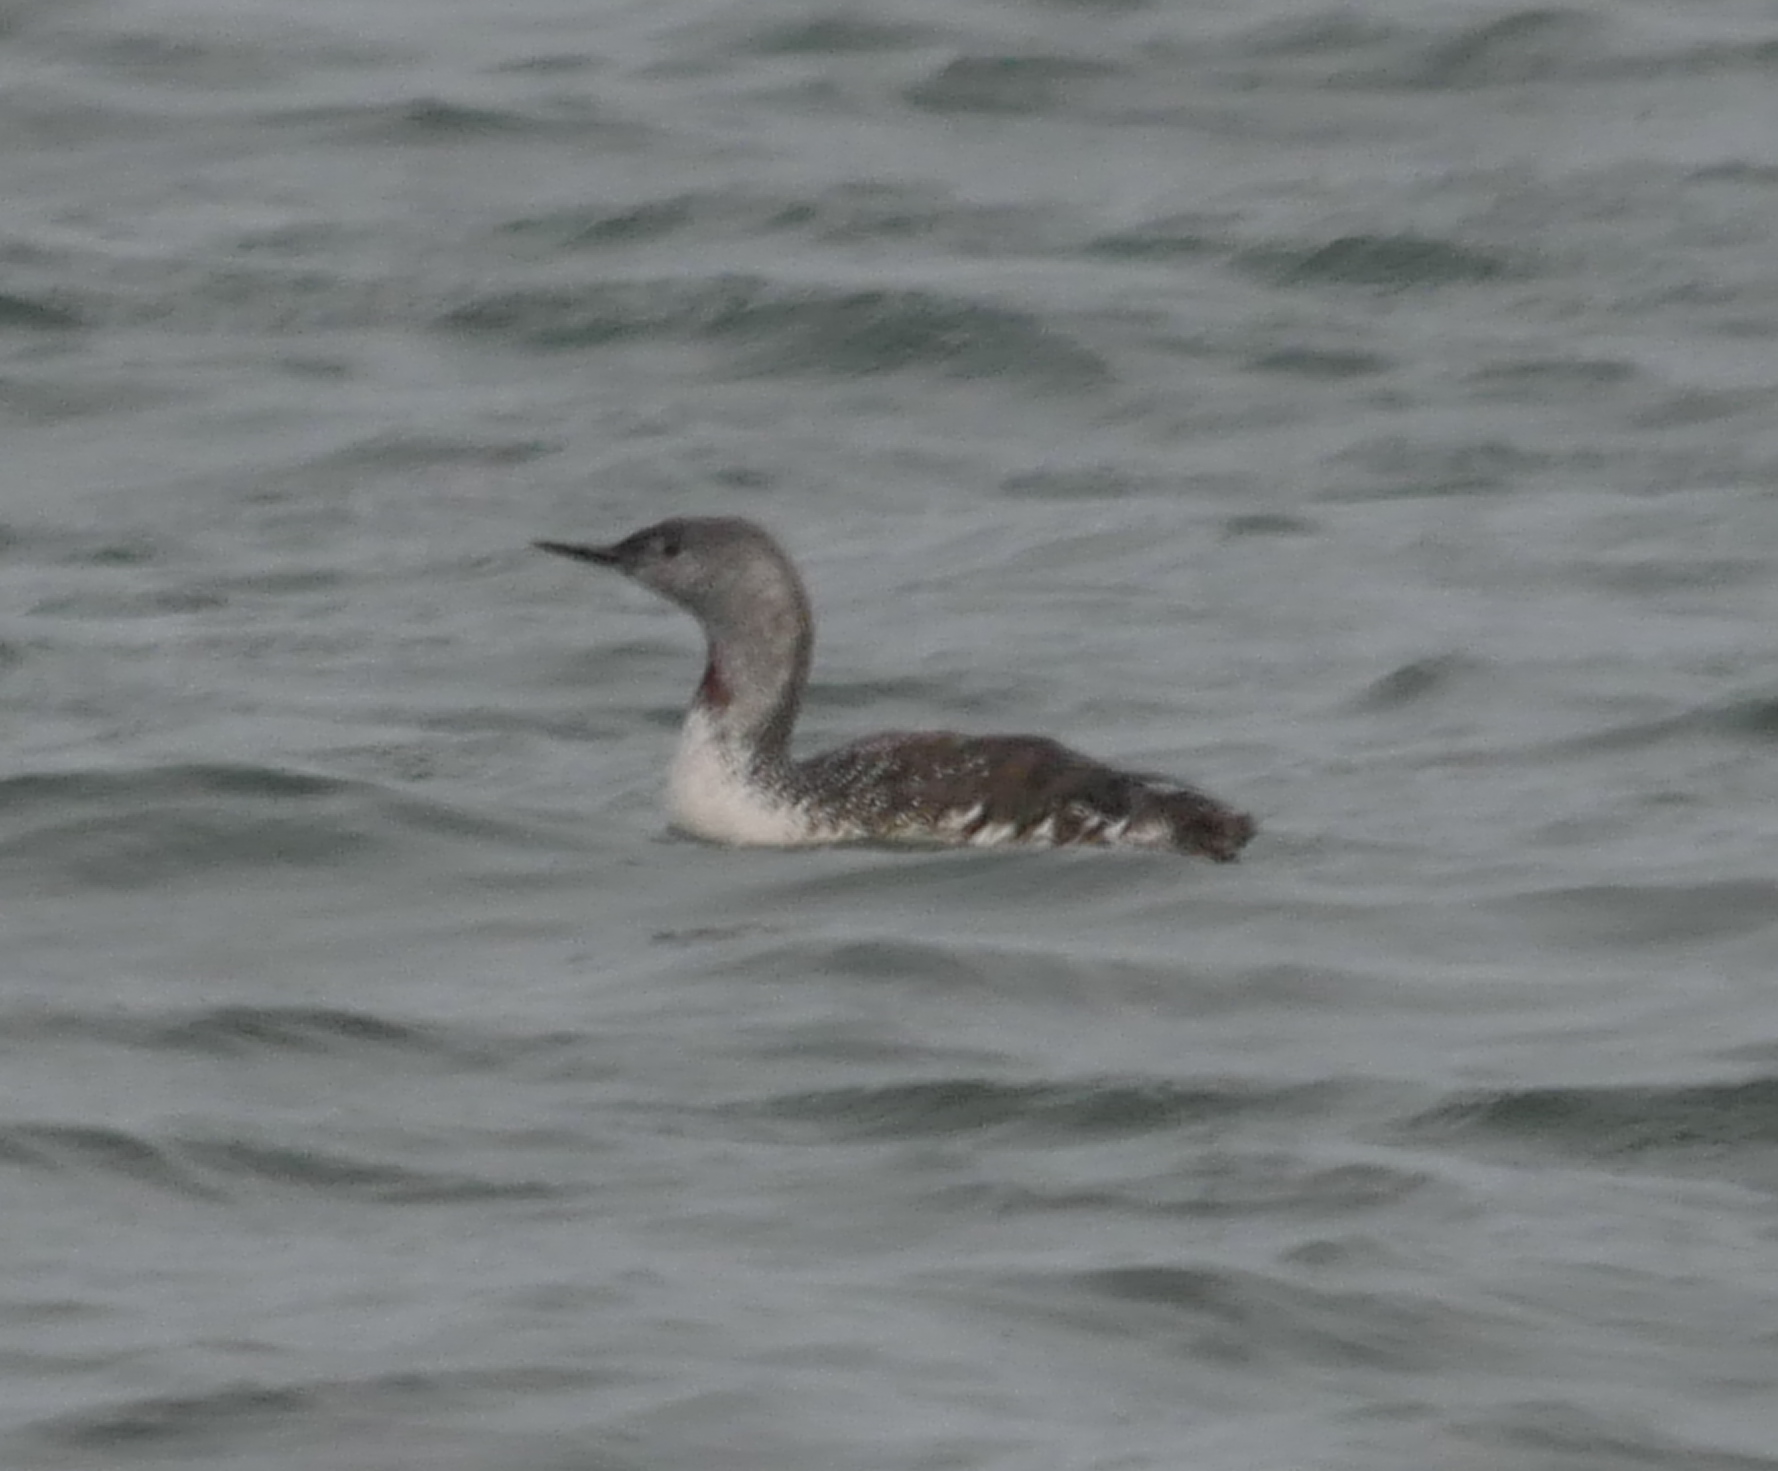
<point x="712" y="792"/>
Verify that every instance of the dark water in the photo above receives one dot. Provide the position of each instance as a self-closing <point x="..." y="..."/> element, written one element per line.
<point x="1366" y="410"/>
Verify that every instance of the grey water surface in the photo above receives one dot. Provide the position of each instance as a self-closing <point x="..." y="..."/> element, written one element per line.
<point x="1367" y="410"/>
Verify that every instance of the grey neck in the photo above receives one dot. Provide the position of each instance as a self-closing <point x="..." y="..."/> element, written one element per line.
<point x="755" y="673"/>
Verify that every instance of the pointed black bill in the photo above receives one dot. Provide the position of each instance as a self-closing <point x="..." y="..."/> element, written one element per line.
<point x="604" y="556"/>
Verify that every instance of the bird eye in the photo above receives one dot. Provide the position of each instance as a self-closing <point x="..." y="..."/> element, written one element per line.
<point x="669" y="545"/>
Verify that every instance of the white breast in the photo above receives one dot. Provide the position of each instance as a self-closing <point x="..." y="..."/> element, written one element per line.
<point x="709" y="795"/>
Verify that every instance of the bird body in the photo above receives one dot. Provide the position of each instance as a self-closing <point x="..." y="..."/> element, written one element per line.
<point x="733" y="779"/>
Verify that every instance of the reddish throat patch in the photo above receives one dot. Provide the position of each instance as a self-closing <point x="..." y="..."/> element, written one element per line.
<point x="713" y="689"/>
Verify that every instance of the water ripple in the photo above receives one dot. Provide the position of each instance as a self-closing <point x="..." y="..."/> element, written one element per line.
<point x="212" y="1168"/>
<point x="1400" y="262"/>
<point x="1229" y="1317"/>
<point x="90" y="1150"/>
<point x="1725" y="1129"/>
<point x="1056" y="1113"/>
<point x="132" y="828"/>
<point x="793" y="330"/>
<point x="1639" y="915"/>
<point x="243" y="1031"/>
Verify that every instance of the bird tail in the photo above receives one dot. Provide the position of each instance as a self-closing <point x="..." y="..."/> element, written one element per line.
<point x="1201" y="824"/>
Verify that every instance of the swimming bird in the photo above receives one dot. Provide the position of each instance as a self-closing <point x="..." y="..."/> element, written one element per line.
<point x="734" y="779"/>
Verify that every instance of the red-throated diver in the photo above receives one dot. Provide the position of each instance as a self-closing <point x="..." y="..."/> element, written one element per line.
<point x="735" y="781"/>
